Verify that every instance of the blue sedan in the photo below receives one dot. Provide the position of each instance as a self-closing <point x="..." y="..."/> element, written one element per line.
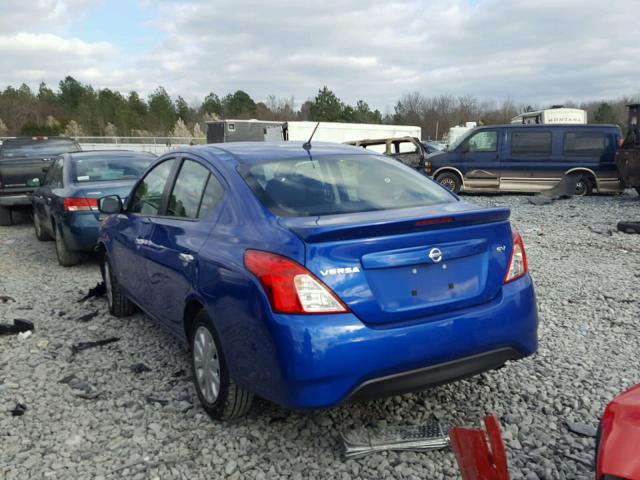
<point x="316" y="277"/>
<point x="65" y="206"/>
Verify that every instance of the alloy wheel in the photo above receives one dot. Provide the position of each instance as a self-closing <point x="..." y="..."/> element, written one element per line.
<point x="581" y="188"/>
<point x="448" y="183"/>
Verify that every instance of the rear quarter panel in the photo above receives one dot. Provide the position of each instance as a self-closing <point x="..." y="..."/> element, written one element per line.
<point x="233" y="298"/>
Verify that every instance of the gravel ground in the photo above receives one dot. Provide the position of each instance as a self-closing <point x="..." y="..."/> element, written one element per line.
<point x="98" y="423"/>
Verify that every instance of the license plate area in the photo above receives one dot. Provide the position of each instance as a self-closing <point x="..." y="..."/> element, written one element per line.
<point x="428" y="285"/>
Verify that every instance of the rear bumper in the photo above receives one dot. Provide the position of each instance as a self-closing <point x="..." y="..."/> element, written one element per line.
<point x="80" y="231"/>
<point x="15" y="200"/>
<point x="326" y="360"/>
<point x="433" y="375"/>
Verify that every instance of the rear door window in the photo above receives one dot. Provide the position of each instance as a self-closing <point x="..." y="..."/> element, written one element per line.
<point x="530" y="144"/>
<point x="213" y="192"/>
<point x="186" y="196"/>
<point x="584" y="144"/>
<point x="147" y="197"/>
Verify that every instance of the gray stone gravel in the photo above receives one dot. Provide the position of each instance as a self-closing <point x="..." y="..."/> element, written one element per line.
<point x="98" y="423"/>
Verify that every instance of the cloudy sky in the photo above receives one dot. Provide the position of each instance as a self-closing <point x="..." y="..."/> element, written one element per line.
<point x="532" y="51"/>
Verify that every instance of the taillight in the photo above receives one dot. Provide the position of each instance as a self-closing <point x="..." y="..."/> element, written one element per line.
<point x="80" y="204"/>
<point x="289" y="286"/>
<point x="428" y="167"/>
<point x="518" y="263"/>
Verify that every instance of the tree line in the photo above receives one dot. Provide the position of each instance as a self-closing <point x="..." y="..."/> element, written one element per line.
<point x="77" y="109"/>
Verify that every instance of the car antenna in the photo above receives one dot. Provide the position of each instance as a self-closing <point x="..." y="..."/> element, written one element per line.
<point x="307" y="145"/>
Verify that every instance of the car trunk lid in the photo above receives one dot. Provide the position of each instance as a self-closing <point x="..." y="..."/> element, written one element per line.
<point x="413" y="263"/>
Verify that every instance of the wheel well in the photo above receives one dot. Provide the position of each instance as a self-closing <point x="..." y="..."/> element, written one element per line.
<point x="190" y="312"/>
<point x="586" y="173"/>
<point x="449" y="170"/>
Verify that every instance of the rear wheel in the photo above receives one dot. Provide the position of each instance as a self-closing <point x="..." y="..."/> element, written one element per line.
<point x="450" y="181"/>
<point x="37" y="226"/>
<point x="66" y="258"/>
<point x="584" y="186"/>
<point x="119" y="304"/>
<point x="219" y="395"/>
<point x="5" y="216"/>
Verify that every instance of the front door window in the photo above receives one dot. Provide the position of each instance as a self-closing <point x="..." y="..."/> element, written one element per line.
<point x="148" y="194"/>
<point x="483" y="142"/>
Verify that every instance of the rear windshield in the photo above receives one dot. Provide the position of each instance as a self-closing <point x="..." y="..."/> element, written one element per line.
<point x="340" y="184"/>
<point x="37" y="148"/>
<point x="102" y="168"/>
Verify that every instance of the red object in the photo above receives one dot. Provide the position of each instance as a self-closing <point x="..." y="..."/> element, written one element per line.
<point x="80" y="204"/>
<point x="618" y="454"/>
<point x="431" y="221"/>
<point x="518" y="250"/>
<point x="277" y="275"/>
<point x="477" y="458"/>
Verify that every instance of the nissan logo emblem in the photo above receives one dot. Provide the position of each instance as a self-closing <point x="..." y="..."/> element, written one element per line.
<point x="435" y="255"/>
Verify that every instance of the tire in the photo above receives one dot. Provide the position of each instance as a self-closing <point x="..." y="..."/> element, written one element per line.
<point x="5" y="216"/>
<point x="37" y="226"/>
<point x="209" y="371"/>
<point x="450" y="181"/>
<point x="119" y="304"/>
<point x="584" y="186"/>
<point x="66" y="258"/>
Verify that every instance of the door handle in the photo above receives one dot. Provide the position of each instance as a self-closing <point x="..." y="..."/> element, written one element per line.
<point x="185" y="258"/>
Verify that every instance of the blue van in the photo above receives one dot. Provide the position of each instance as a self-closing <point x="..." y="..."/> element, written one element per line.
<point x="530" y="158"/>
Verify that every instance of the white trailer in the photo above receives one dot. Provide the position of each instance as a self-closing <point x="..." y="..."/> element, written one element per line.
<point x="336" y="132"/>
<point x="459" y="131"/>
<point x="554" y="115"/>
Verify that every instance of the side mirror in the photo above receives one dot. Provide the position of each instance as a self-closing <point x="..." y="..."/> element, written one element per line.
<point x="33" y="182"/>
<point x="465" y="148"/>
<point x="110" y="204"/>
<point x="45" y="169"/>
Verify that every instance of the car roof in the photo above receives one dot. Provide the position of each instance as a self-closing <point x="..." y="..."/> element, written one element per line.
<point x="256" y="152"/>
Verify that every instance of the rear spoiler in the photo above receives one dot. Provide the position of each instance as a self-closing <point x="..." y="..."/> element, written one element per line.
<point x="368" y="224"/>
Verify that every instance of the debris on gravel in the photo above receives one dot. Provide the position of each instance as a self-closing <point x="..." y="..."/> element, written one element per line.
<point x="586" y="285"/>
<point x="18" y="326"/>
<point x="19" y="410"/>
<point x="581" y="429"/>
<point x="98" y="291"/>
<point x="139" y="368"/>
<point x="81" y="346"/>
<point x="89" y="316"/>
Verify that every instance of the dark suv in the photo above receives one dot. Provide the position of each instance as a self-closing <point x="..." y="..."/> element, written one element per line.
<point x="22" y="160"/>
